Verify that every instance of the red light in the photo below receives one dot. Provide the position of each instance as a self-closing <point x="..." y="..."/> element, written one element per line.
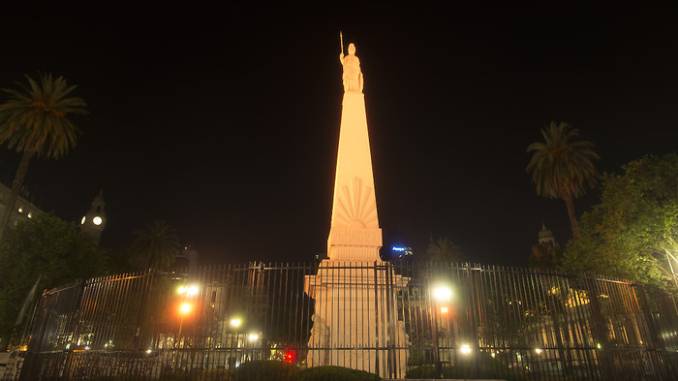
<point x="290" y="356"/>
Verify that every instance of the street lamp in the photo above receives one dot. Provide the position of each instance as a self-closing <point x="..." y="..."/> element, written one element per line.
<point x="185" y="309"/>
<point x="253" y="337"/>
<point x="442" y="294"/>
<point x="188" y="291"/>
<point x="235" y="322"/>
<point x="465" y="349"/>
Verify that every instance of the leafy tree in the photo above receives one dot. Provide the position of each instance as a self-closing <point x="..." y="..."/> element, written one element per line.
<point x="45" y="248"/>
<point x="444" y="250"/>
<point x="636" y="223"/>
<point x="155" y="246"/>
<point x="562" y="167"/>
<point x="34" y="120"/>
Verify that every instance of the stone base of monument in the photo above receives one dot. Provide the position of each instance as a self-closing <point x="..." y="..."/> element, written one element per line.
<point x="355" y="320"/>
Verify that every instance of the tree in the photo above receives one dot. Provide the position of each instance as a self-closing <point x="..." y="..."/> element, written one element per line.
<point x="630" y="231"/>
<point x="155" y="246"/>
<point x="47" y="249"/>
<point x="443" y="250"/>
<point x="34" y="120"/>
<point x="562" y="167"/>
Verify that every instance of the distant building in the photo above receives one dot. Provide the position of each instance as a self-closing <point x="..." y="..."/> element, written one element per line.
<point x="401" y="252"/>
<point x="546" y="237"/>
<point x="545" y="251"/>
<point x="186" y="261"/>
<point x="94" y="222"/>
<point x="23" y="209"/>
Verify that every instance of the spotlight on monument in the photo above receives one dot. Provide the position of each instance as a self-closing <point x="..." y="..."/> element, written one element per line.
<point x="465" y="349"/>
<point x="442" y="293"/>
<point x="235" y="322"/>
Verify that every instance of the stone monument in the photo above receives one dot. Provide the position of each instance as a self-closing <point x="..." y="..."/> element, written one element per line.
<point x="355" y="321"/>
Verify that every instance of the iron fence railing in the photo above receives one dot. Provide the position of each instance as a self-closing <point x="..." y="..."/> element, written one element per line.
<point x="399" y="320"/>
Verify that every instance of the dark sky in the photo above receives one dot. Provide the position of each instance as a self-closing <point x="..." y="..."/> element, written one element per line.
<point x="224" y="122"/>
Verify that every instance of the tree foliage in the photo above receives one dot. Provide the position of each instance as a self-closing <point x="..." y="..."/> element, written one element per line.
<point x="47" y="248"/>
<point x="156" y="245"/>
<point x="444" y="250"/>
<point x="35" y="119"/>
<point x="562" y="166"/>
<point x="635" y="224"/>
<point x="35" y="116"/>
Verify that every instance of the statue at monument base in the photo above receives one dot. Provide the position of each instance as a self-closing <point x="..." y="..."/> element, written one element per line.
<point x="355" y="321"/>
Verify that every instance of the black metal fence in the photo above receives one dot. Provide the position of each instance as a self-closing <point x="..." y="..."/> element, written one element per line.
<point x="398" y="320"/>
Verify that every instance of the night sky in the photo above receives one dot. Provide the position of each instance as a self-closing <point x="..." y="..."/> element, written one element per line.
<point x="225" y="122"/>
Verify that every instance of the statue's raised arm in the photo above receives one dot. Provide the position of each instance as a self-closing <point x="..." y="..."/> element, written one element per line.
<point x="353" y="77"/>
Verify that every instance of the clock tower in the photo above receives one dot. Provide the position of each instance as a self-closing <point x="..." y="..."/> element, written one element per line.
<point x="94" y="222"/>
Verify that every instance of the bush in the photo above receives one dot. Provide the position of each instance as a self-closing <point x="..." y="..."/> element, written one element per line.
<point x="335" y="373"/>
<point x="265" y="370"/>
<point x="422" y="371"/>
<point x="479" y="366"/>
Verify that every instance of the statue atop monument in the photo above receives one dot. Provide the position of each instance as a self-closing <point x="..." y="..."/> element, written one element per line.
<point x="353" y="77"/>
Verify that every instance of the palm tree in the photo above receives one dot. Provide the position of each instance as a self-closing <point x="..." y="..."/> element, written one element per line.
<point x="34" y="120"/>
<point x="563" y="167"/>
<point x="155" y="246"/>
<point x="443" y="250"/>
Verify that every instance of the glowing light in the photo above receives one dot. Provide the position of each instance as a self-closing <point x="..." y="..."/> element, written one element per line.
<point x="185" y="308"/>
<point x="442" y="293"/>
<point x="149" y="351"/>
<point x="30" y="215"/>
<point x="538" y="351"/>
<point x="97" y="220"/>
<point x="87" y="348"/>
<point x="235" y="322"/>
<point x="599" y="346"/>
<point x="253" y="337"/>
<point x="465" y="349"/>
<point x="83" y="220"/>
<point x="290" y="356"/>
<point x="493" y="355"/>
<point x="192" y="290"/>
<point x="21" y="210"/>
<point x="444" y="310"/>
<point x="189" y="291"/>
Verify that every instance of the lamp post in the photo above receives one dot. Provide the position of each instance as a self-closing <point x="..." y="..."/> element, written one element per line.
<point x="441" y="294"/>
<point x="185" y="309"/>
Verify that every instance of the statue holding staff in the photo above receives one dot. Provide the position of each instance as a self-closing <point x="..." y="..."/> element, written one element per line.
<point x="353" y="77"/>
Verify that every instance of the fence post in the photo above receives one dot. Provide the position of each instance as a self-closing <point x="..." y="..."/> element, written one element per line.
<point x="599" y="330"/>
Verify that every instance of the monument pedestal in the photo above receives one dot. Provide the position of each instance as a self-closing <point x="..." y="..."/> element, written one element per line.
<point x="355" y="321"/>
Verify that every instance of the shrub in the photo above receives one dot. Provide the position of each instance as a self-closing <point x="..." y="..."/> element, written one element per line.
<point x="335" y="373"/>
<point x="479" y="366"/>
<point x="422" y="371"/>
<point x="265" y="370"/>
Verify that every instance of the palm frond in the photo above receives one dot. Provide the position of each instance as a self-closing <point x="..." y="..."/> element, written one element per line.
<point x="560" y="165"/>
<point x="36" y="116"/>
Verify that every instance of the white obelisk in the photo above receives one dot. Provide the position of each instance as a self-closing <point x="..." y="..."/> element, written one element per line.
<point x="355" y="321"/>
